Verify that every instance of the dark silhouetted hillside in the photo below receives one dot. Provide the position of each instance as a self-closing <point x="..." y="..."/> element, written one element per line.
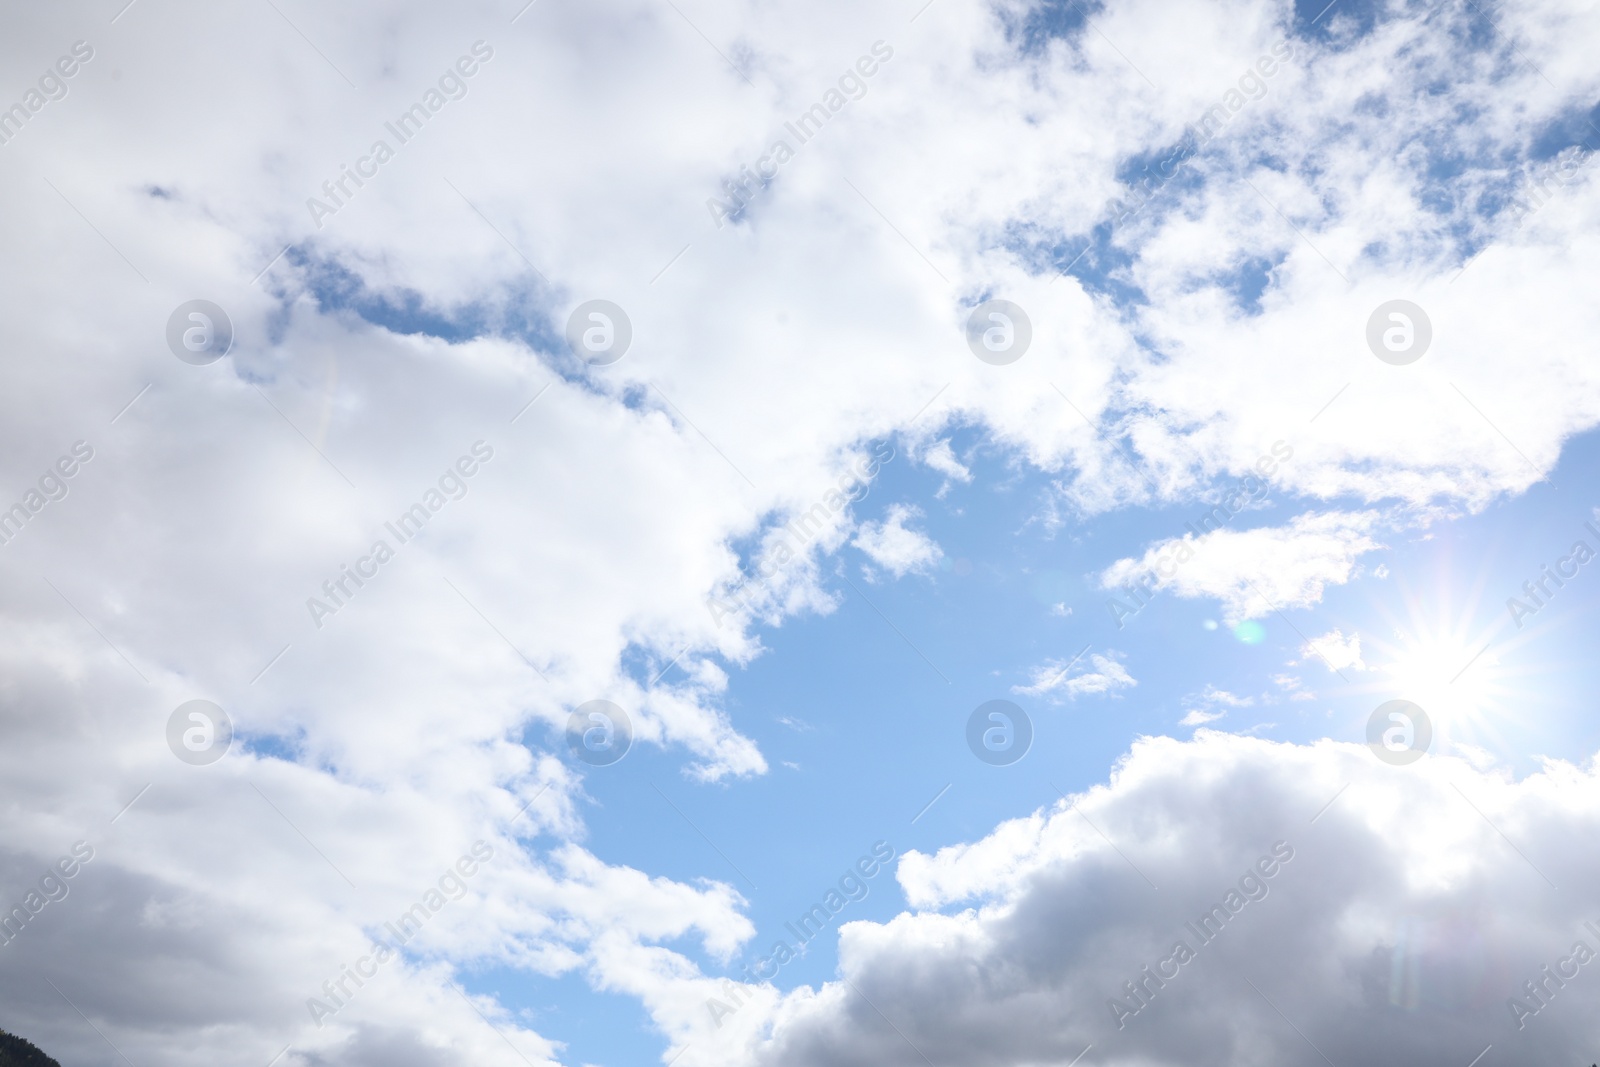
<point x="15" y="1052"/>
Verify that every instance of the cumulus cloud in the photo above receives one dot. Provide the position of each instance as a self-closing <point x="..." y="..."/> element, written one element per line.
<point x="897" y="548"/>
<point x="375" y="347"/>
<point x="1255" y="572"/>
<point x="1316" y="923"/>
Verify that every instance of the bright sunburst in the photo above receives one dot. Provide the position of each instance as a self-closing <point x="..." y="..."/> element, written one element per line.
<point x="1439" y="658"/>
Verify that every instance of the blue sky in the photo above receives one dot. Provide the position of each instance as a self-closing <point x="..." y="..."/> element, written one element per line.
<point x="864" y="731"/>
<point x="1351" y="178"/>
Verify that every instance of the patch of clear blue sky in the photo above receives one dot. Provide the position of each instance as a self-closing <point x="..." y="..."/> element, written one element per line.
<point x="1049" y="20"/>
<point x="1352" y="19"/>
<point x="876" y="731"/>
<point x="518" y="312"/>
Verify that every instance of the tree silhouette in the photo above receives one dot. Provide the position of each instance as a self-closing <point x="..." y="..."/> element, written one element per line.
<point x="18" y="1052"/>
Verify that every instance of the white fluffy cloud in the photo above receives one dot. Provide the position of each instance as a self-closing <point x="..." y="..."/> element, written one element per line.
<point x="942" y="458"/>
<point x="1375" y="939"/>
<point x="1255" y="572"/>
<point x="766" y="353"/>
<point x="1055" y="678"/>
<point x="1335" y="651"/>
<point x="897" y="548"/>
<point x="1211" y="705"/>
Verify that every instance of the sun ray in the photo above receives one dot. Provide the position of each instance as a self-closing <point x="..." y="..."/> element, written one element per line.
<point x="1439" y="652"/>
